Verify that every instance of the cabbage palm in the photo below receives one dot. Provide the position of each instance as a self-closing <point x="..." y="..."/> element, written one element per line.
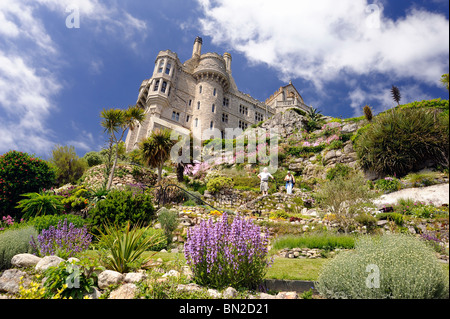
<point x="156" y="149"/>
<point x="116" y="122"/>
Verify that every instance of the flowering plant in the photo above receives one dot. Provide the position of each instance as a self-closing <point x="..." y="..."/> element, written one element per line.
<point x="63" y="241"/>
<point x="227" y="253"/>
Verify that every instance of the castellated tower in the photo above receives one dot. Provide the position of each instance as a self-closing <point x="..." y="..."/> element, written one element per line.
<point x="200" y="96"/>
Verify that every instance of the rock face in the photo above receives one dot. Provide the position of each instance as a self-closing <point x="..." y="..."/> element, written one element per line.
<point x="25" y="260"/>
<point x="285" y="123"/>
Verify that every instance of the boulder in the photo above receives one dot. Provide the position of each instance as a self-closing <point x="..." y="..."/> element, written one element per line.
<point x="126" y="291"/>
<point x="230" y="293"/>
<point x="47" y="262"/>
<point x="349" y="128"/>
<point x="192" y="287"/>
<point x="108" y="278"/>
<point x="213" y="293"/>
<point x="25" y="260"/>
<point x="10" y="280"/>
<point x="134" y="277"/>
<point x="287" y="295"/>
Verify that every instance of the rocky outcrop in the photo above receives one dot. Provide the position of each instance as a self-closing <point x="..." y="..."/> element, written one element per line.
<point x="286" y="123"/>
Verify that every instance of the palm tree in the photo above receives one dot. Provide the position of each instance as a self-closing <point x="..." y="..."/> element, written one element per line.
<point x="117" y="121"/>
<point x="156" y="149"/>
<point x="313" y="117"/>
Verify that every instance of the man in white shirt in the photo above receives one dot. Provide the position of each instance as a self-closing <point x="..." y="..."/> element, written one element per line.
<point x="264" y="177"/>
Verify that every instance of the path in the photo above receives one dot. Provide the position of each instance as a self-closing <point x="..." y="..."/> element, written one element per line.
<point x="437" y="194"/>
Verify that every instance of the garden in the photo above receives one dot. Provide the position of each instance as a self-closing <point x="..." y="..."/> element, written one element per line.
<point x="133" y="225"/>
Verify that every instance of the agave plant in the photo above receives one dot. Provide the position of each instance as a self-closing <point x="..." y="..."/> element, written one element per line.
<point x="125" y="246"/>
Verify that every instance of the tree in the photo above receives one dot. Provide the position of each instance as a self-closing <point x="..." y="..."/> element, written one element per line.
<point x="69" y="167"/>
<point x="444" y="80"/>
<point x="395" y="92"/>
<point x="116" y="122"/>
<point x="156" y="149"/>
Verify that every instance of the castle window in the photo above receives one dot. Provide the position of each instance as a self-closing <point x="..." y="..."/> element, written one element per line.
<point x="215" y="91"/>
<point x="211" y="125"/>
<point x="196" y="122"/>
<point x="243" y="109"/>
<point x="190" y="102"/>
<point x="225" y="118"/>
<point x="161" y="65"/>
<point x="226" y="102"/>
<point x="200" y="89"/>
<point x="175" y="116"/>
<point x="243" y="125"/>
<point x="156" y="87"/>
<point x="198" y="105"/>
<point x="259" y="117"/>
<point x="213" y="108"/>
<point x="187" y="118"/>
<point x="164" y="87"/>
<point x="168" y="68"/>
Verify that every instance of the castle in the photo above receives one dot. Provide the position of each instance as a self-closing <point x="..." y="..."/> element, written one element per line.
<point x="200" y="95"/>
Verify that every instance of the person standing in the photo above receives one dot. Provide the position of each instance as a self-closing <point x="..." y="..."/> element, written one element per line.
<point x="290" y="181"/>
<point x="264" y="177"/>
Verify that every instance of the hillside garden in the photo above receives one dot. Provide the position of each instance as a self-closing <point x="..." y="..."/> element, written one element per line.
<point x="134" y="225"/>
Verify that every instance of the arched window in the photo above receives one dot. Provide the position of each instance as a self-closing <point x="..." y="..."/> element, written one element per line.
<point x="211" y="125"/>
<point x="164" y="87"/>
<point x="213" y="108"/>
<point x="214" y="92"/>
<point x="168" y="66"/>
<point x="198" y="105"/>
<point x="200" y="89"/>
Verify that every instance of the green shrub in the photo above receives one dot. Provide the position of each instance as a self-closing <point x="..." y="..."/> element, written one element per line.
<point x="39" y="204"/>
<point x="13" y="242"/>
<point x="335" y="145"/>
<point x="169" y="222"/>
<point x="395" y="217"/>
<point x="341" y="170"/>
<point x="159" y="239"/>
<point x="216" y="184"/>
<point x="401" y="140"/>
<point x="119" y="207"/>
<point x="394" y="266"/>
<point x="367" y="220"/>
<point x="93" y="158"/>
<point x="21" y="173"/>
<point x="298" y="151"/>
<point x="388" y="184"/>
<point x="79" y="276"/>
<point x="44" y="222"/>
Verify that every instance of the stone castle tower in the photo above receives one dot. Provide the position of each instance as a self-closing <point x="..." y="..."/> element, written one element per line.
<point x="200" y="94"/>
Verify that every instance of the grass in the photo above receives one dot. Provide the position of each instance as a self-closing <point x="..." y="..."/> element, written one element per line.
<point x="295" y="269"/>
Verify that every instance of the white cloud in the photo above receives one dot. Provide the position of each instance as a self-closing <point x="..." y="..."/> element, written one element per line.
<point x="29" y="63"/>
<point x="323" y="40"/>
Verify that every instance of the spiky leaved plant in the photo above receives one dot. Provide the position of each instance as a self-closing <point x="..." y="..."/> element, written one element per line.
<point x="395" y="92"/>
<point x="368" y="113"/>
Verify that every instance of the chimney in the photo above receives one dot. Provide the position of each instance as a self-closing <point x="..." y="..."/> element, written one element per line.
<point x="227" y="58"/>
<point x="197" y="51"/>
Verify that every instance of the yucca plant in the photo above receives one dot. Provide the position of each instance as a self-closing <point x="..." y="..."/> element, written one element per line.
<point x="39" y="204"/>
<point x="125" y="246"/>
<point x="396" y="96"/>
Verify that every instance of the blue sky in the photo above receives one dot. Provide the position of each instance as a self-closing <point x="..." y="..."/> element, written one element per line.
<point x="340" y="55"/>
